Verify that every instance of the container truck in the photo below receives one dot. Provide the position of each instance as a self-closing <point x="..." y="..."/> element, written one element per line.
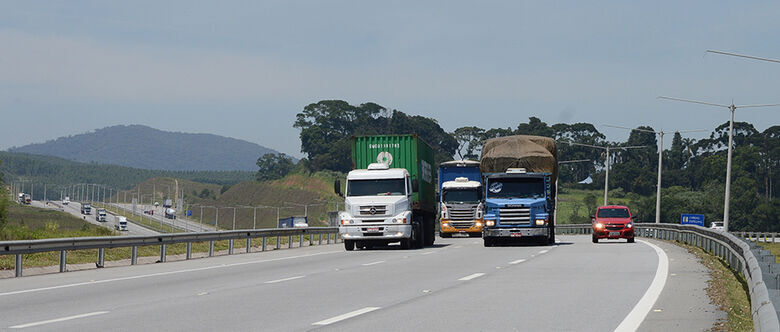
<point x="460" y="198"/>
<point x="520" y="174"/>
<point x="390" y="194"/>
<point x="66" y="201"/>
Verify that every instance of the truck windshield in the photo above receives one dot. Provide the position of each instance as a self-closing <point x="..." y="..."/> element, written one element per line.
<point x="515" y="188"/>
<point x="613" y="213"/>
<point x="378" y="187"/>
<point x="471" y="195"/>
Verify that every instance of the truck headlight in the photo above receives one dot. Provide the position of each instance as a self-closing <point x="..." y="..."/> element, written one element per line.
<point x="446" y="224"/>
<point x="346" y="221"/>
<point x="478" y="224"/>
<point x="490" y="223"/>
<point x="540" y="222"/>
<point x="400" y="220"/>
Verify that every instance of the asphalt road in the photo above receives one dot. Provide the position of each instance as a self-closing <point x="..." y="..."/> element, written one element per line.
<point x="454" y="286"/>
<point x="74" y="208"/>
<point x="159" y="216"/>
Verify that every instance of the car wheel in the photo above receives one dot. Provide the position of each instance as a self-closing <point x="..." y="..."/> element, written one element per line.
<point x="595" y="239"/>
<point x="631" y="240"/>
<point x="349" y="245"/>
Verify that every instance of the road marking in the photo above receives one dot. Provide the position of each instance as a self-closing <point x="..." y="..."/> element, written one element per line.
<point x="374" y="263"/>
<point x="58" y="320"/>
<point x="473" y="276"/>
<point x="428" y="253"/>
<point x="346" y="316"/>
<point x="544" y="251"/>
<point x="457" y="247"/>
<point x="517" y="261"/>
<point x="163" y="273"/>
<point x="285" y="279"/>
<point x="640" y="311"/>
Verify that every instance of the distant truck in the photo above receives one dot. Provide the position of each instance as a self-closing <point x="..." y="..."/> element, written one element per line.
<point x="520" y="174"/>
<point x="24" y="199"/>
<point x="170" y="214"/>
<point x="291" y="222"/>
<point x="66" y="200"/>
<point x="390" y="194"/>
<point x="86" y="208"/>
<point x="100" y="215"/>
<point x="121" y="223"/>
<point x="168" y="203"/>
<point x="460" y="198"/>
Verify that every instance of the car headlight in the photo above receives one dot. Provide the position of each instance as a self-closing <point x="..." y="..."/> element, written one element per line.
<point x="490" y="223"/>
<point x="629" y="225"/>
<point x="599" y="225"/>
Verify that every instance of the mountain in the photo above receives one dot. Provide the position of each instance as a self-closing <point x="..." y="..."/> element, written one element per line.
<point x="143" y="147"/>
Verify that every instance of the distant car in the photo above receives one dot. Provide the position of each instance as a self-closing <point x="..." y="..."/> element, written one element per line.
<point x="156" y="204"/>
<point x="716" y="226"/>
<point x="613" y="222"/>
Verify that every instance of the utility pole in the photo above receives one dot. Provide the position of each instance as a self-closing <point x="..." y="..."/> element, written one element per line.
<point x="732" y="108"/>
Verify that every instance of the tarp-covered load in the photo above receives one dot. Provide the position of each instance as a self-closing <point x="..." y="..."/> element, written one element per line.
<point x="534" y="153"/>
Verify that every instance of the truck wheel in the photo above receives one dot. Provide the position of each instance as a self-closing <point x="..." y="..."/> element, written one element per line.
<point x="349" y="245"/>
<point x="488" y="242"/>
<point x="406" y="244"/>
<point x="595" y="239"/>
<point x="551" y="238"/>
<point x="419" y="242"/>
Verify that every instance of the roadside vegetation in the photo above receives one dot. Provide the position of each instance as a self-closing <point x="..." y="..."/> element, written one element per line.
<point x="774" y="248"/>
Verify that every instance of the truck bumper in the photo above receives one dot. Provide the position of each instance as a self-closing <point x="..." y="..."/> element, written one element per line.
<point x="447" y="227"/>
<point x="515" y="232"/>
<point x="384" y="232"/>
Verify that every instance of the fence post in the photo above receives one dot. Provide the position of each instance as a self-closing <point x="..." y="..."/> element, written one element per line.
<point x="134" y="255"/>
<point x="311" y="240"/>
<point x="248" y="245"/>
<point x="300" y="241"/>
<point x="278" y="241"/>
<point x="189" y="250"/>
<point x="320" y="239"/>
<point x="230" y="247"/>
<point x="63" y="260"/>
<point x="18" y="265"/>
<point x="289" y="242"/>
<point x="211" y="248"/>
<point x="101" y="257"/>
<point x="264" y="243"/>
<point x="162" y="252"/>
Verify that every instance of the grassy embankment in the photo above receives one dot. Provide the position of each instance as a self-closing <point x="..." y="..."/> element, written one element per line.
<point x="572" y="208"/>
<point x="30" y="223"/>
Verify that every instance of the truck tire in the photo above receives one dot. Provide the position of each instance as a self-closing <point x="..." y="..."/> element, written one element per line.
<point x="419" y="242"/>
<point x="430" y="231"/>
<point x="551" y="237"/>
<point x="349" y="245"/>
<point x="488" y="241"/>
<point x="595" y="239"/>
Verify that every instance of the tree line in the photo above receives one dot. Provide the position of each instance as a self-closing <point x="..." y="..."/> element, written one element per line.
<point x="693" y="170"/>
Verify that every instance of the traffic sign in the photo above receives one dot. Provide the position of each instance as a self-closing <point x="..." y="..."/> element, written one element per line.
<point x="188" y="213"/>
<point x="692" y="219"/>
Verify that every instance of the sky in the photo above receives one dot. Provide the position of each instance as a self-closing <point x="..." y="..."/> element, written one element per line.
<point x="244" y="69"/>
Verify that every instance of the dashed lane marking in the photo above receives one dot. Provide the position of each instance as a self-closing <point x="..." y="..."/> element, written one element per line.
<point x="473" y="276"/>
<point x="56" y="320"/>
<point x="346" y="316"/>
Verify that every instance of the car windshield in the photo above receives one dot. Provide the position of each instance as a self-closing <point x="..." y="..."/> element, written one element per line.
<point x="515" y="188"/>
<point x="471" y="195"/>
<point x="378" y="187"/>
<point x="613" y="213"/>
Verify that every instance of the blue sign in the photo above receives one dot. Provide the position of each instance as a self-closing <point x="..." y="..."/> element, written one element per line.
<point x="692" y="219"/>
<point x="188" y="213"/>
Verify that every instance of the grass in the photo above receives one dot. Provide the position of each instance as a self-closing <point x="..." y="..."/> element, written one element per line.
<point x="727" y="290"/>
<point x="571" y="204"/>
<point x="30" y="223"/>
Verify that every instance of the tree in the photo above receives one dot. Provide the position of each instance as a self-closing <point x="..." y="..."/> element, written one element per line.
<point x="273" y="166"/>
<point x="470" y="140"/>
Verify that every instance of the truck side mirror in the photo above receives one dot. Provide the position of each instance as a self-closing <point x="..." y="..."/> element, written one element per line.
<point x="415" y="185"/>
<point x="337" y="187"/>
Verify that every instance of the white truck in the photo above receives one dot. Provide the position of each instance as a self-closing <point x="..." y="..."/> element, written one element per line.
<point x="100" y="215"/>
<point x="121" y="224"/>
<point x="170" y="213"/>
<point x="66" y="200"/>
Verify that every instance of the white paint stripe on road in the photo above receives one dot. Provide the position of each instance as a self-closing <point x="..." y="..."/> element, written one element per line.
<point x="373" y="263"/>
<point x="163" y="273"/>
<point x="285" y="279"/>
<point x="346" y="316"/>
<point x="544" y="251"/>
<point x="428" y="253"/>
<point x="638" y="314"/>
<point x="473" y="276"/>
<point x="458" y="247"/>
<point x="58" y="320"/>
<point x="517" y="261"/>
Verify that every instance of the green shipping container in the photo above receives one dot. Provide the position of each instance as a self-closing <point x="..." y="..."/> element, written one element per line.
<point x="400" y="151"/>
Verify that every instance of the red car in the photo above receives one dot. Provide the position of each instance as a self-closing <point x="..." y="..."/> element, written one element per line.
<point x="613" y="222"/>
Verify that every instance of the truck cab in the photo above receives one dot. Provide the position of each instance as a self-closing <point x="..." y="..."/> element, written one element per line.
<point x="518" y="204"/>
<point x="460" y="198"/>
<point x="378" y="208"/>
<point x="100" y="215"/>
<point x="86" y="208"/>
<point x="66" y="200"/>
<point x="121" y="223"/>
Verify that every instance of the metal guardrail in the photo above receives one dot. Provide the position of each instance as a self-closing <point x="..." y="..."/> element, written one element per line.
<point x="63" y="245"/>
<point x="731" y="249"/>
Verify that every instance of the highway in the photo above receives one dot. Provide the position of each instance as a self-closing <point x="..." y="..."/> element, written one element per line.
<point x="74" y="208"/>
<point x="159" y="216"/>
<point x="458" y="285"/>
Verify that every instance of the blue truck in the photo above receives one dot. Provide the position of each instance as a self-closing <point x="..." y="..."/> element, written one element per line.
<point x="460" y="198"/>
<point x="519" y="177"/>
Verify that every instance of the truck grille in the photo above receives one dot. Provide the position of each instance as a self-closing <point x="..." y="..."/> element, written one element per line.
<point x="514" y="216"/>
<point x="462" y="214"/>
<point x="462" y="224"/>
<point x="373" y="210"/>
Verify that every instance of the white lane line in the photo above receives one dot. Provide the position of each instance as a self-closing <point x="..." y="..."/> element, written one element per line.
<point x="373" y="263"/>
<point x="544" y="251"/>
<point x="638" y="314"/>
<point x="458" y="247"/>
<point x="473" y="276"/>
<point x="346" y="316"/>
<point x="517" y="261"/>
<point x="58" y="320"/>
<point x="162" y="273"/>
<point x="427" y="253"/>
<point x="285" y="279"/>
